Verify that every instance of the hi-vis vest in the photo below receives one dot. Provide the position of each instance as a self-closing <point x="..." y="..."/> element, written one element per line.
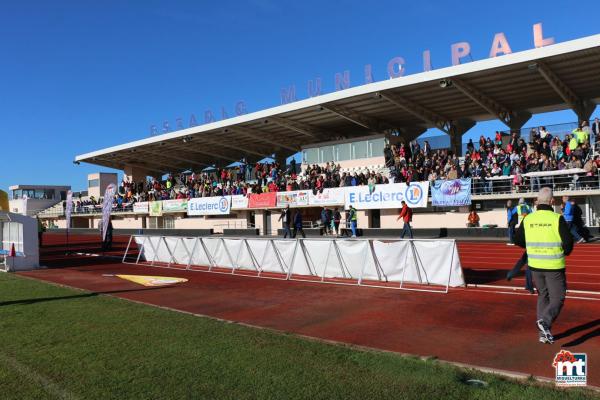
<point x="521" y="210"/>
<point x="544" y="245"/>
<point x="353" y="216"/>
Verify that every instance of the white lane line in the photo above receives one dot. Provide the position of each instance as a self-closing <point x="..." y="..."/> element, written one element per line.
<point x="48" y="385"/>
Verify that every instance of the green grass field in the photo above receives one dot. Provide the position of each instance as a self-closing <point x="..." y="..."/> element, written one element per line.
<point x="62" y="343"/>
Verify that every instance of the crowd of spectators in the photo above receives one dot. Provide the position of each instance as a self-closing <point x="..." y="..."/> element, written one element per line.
<point x="489" y="159"/>
<point x="485" y="161"/>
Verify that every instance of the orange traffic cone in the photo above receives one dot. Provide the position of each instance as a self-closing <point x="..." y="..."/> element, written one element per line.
<point x="12" y="252"/>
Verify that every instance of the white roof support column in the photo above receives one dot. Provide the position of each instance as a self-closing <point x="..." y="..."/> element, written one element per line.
<point x="582" y="107"/>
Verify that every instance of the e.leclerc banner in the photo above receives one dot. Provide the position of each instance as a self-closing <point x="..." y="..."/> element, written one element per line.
<point x="109" y="195"/>
<point x="456" y="192"/>
<point x="262" y="200"/>
<point x="209" y="206"/>
<point x="387" y="196"/>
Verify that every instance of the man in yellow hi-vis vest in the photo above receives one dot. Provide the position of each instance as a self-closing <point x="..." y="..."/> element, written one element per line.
<point x="546" y="237"/>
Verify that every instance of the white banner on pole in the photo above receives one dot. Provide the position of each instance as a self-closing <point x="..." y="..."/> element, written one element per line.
<point x="387" y="196"/>
<point x="69" y="209"/>
<point x="239" y="202"/>
<point x="109" y="194"/>
<point x="209" y="206"/>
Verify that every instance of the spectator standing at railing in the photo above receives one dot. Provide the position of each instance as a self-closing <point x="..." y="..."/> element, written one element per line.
<point x="511" y="221"/>
<point x="596" y="129"/>
<point x="568" y="215"/>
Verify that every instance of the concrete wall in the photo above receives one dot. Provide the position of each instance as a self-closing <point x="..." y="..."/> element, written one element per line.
<point x="443" y="219"/>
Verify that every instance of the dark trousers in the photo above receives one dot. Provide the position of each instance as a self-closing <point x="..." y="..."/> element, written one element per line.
<point x="298" y="229"/>
<point x="407" y="229"/>
<point x="511" y="233"/>
<point x="286" y="230"/>
<point x="40" y="238"/>
<point x="552" y="289"/>
<point x="573" y="229"/>
<point x="517" y="268"/>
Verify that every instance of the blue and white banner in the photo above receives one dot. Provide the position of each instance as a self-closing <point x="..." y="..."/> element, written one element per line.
<point x="387" y="196"/>
<point x="209" y="206"/>
<point x="109" y="196"/>
<point x="69" y="209"/>
<point x="456" y="192"/>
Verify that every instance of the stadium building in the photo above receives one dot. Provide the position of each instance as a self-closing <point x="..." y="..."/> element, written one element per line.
<point x="353" y="129"/>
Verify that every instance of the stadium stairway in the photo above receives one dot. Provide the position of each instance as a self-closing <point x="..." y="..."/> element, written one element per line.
<point x="488" y="263"/>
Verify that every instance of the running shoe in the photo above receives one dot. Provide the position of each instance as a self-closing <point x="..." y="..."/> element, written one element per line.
<point x="545" y="330"/>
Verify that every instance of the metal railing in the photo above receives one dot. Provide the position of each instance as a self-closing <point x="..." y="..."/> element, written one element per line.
<point x="569" y="181"/>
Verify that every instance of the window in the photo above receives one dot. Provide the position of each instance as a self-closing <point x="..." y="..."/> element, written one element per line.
<point x="94" y="183"/>
<point x="359" y="150"/>
<point x="326" y="154"/>
<point x="169" y="222"/>
<point x="310" y="156"/>
<point x="342" y="152"/>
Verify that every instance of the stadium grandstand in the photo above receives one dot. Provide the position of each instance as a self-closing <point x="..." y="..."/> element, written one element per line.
<point x="371" y="135"/>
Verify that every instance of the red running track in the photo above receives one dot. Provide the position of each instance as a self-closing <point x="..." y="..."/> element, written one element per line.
<point x="487" y="328"/>
<point x="488" y="263"/>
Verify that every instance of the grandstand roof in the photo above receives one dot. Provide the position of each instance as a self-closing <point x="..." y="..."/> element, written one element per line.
<point x="538" y="80"/>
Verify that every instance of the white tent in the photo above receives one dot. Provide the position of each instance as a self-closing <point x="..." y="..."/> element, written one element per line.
<point x="20" y="231"/>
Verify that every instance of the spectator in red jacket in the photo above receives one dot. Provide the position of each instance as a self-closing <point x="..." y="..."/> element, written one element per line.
<point x="406" y="215"/>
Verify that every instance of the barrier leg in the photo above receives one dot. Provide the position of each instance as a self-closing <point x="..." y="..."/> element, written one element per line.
<point x="127" y="249"/>
<point x="137" y="261"/>
<point x="326" y="261"/>
<point x="290" y="269"/>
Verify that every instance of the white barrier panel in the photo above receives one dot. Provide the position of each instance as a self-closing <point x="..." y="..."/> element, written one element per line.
<point x="432" y="265"/>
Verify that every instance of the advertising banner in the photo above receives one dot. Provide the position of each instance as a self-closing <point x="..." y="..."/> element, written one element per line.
<point x="456" y="192"/>
<point x="387" y="196"/>
<point x="293" y="199"/>
<point x="141" y="207"/>
<point x="262" y="200"/>
<point x="109" y="195"/>
<point x="177" y="205"/>
<point x="329" y="197"/>
<point x="239" y="202"/>
<point x="156" y="209"/>
<point x="209" y="206"/>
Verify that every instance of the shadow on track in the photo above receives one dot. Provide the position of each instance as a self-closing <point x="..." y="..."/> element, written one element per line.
<point x="577" y="329"/>
<point x="78" y="296"/>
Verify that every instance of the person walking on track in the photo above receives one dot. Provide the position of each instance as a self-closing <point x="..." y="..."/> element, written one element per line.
<point x="546" y="237"/>
<point x="523" y="210"/>
<point x="406" y="215"/>
<point x="286" y="218"/>
<point x="353" y="218"/>
<point x="298" y="224"/>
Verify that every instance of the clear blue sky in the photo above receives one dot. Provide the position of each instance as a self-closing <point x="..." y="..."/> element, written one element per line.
<point x="77" y="76"/>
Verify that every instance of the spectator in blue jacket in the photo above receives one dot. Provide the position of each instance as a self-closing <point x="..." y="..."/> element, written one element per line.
<point x="568" y="215"/>
<point x="512" y="220"/>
